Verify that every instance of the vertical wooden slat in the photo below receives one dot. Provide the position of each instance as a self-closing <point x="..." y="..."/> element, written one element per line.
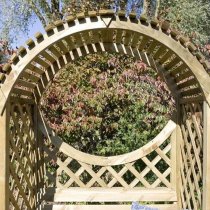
<point x="179" y="140"/>
<point x="4" y="159"/>
<point x="36" y="190"/>
<point x="40" y="159"/>
<point x="206" y="158"/>
<point x="173" y="160"/>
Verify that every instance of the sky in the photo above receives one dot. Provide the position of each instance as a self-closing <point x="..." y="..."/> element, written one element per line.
<point x="33" y="29"/>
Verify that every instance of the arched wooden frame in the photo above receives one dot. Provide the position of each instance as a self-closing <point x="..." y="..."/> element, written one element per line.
<point x="172" y="55"/>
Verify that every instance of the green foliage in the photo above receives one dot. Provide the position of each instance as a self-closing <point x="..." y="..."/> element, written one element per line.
<point x="191" y="17"/>
<point x="107" y="104"/>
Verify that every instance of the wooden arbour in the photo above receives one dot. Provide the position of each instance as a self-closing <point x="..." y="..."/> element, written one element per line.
<point x="186" y="182"/>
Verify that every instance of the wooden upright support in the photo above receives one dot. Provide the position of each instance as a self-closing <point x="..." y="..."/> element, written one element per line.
<point x="4" y="160"/>
<point x="206" y="158"/>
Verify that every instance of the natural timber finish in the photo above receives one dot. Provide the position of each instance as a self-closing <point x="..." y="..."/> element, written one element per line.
<point x="4" y="159"/>
<point x="206" y="158"/>
<point x="110" y="195"/>
<point x="71" y="40"/>
<point x="29" y="147"/>
<point x="106" y="207"/>
<point x="191" y="156"/>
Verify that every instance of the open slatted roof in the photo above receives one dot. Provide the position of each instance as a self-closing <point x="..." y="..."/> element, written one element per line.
<point x="165" y="50"/>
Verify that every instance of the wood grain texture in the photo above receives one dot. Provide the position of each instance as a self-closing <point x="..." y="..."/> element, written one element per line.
<point x="102" y="29"/>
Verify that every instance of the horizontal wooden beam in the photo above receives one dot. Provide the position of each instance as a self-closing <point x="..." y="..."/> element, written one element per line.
<point x="117" y="194"/>
<point x="106" y="207"/>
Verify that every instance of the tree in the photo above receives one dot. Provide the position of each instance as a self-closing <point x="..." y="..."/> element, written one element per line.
<point x="20" y="14"/>
<point x="5" y="53"/>
<point x="191" y="17"/>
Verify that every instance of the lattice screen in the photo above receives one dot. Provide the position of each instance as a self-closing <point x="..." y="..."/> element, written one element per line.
<point x="22" y="179"/>
<point x="150" y="171"/>
<point x="191" y="156"/>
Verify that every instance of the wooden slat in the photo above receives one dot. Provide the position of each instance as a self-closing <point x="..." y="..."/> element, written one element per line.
<point x="183" y="76"/>
<point x="93" y="174"/>
<point x="161" y="51"/>
<point x="96" y="36"/>
<point x="107" y="35"/>
<point x="128" y="37"/>
<point x="109" y="195"/>
<point x="4" y="158"/>
<point x="22" y="92"/>
<point x="154" y="162"/>
<point x="144" y="42"/>
<point x="71" y="174"/>
<point x="54" y="51"/>
<point x="117" y="177"/>
<point x="114" y="180"/>
<point x="190" y="100"/>
<point x="166" y="56"/>
<point x="70" y="43"/>
<point x="138" y="176"/>
<point x="187" y="83"/>
<point x="15" y="99"/>
<point x="158" y="181"/>
<point x="26" y="84"/>
<point x="154" y="169"/>
<point x="78" y="40"/>
<point x="135" y="40"/>
<point x="86" y="37"/>
<point x="119" y="36"/>
<point x="191" y="178"/>
<point x="41" y="62"/>
<point x="106" y="207"/>
<point x="35" y="69"/>
<point x="152" y="46"/>
<point x="62" y="47"/>
<point x="192" y="91"/>
<point x="173" y="177"/>
<point x="49" y="57"/>
<point x="179" y="69"/>
<point x="172" y="63"/>
<point x="206" y="158"/>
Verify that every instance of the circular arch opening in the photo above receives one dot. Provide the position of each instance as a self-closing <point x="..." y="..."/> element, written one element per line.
<point x="107" y="104"/>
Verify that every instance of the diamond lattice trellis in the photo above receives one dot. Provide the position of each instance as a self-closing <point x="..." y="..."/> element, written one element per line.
<point x="191" y="156"/>
<point x="22" y="177"/>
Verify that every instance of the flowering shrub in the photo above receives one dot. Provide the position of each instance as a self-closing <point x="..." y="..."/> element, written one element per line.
<point x="107" y="104"/>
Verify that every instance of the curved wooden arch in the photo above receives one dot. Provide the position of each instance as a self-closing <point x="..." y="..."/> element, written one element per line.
<point x="111" y="160"/>
<point x="172" y="55"/>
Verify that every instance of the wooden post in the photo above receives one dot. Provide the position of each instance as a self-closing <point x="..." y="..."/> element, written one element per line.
<point x="206" y="158"/>
<point x="173" y="159"/>
<point x="179" y="140"/>
<point x="4" y="159"/>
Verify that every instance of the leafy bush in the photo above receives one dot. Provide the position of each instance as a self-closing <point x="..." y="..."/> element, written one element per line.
<point x="191" y="17"/>
<point x="107" y="104"/>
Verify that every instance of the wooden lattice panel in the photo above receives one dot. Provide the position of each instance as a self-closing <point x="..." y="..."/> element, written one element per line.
<point x="191" y="156"/>
<point x="151" y="171"/>
<point x="153" y="168"/>
<point x="22" y="179"/>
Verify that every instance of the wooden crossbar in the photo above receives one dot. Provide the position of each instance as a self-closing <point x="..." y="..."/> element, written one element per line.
<point x="77" y="194"/>
<point x="106" y="207"/>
